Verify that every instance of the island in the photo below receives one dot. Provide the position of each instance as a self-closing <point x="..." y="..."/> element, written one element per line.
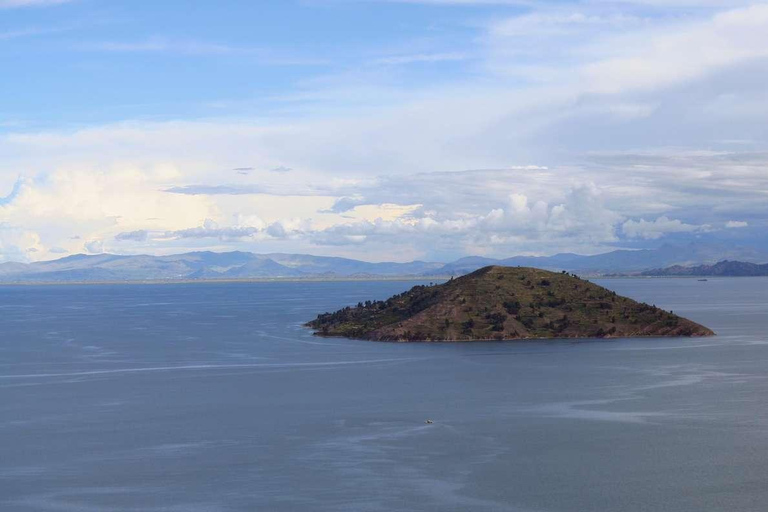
<point x="504" y="303"/>
<point x="723" y="268"/>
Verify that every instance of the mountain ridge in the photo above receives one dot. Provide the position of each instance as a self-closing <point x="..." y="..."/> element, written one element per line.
<point x="208" y="265"/>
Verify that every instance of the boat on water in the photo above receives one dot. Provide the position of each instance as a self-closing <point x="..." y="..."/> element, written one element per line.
<point x="702" y="279"/>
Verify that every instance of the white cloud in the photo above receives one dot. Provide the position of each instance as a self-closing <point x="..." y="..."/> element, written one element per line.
<point x="555" y="100"/>
<point x="555" y="22"/>
<point x="60" y="205"/>
<point x="345" y="204"/>
<point x="18" y="244"/>
<point x="247" y="227"/>
<point x="140" y="235"/>
<point x="658" y="228"/>
<point x="736" y="224"/>
<point x="518" y="225"/>
<point x="682" y="53"/>
<point x="94" y="246"/>
<point x="526" y="208"/>
<point x="208" y="231"/>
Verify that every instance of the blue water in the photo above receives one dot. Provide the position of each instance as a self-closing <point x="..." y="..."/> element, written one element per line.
<point x="213" y="397"/>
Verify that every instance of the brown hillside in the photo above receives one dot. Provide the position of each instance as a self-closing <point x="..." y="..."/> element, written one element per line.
<point x="504" y="303"/>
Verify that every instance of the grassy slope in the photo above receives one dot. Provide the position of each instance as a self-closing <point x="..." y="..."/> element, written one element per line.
<point x="505" y="303"/>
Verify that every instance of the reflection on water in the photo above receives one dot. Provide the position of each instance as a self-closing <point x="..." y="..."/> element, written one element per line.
<point x="213" y="397"/>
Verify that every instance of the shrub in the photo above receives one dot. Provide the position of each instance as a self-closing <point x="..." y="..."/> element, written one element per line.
<point x="512" y="307"/>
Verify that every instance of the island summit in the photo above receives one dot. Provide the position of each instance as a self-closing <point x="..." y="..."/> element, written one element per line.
<point x="504" y="303"/>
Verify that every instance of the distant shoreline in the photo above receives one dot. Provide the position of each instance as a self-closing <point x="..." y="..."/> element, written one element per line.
<point x="236" y="267"/>
<point x="244" y="280"/>
<point x="340" y="279"/>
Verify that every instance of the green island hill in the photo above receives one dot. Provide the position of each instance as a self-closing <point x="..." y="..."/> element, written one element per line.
<point x="504" y="303"/>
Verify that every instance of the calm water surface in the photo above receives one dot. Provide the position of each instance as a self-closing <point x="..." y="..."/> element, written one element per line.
<point x="212" y="397"/>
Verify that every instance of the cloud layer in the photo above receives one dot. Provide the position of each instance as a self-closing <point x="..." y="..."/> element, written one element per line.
<point x="579" y="127"/>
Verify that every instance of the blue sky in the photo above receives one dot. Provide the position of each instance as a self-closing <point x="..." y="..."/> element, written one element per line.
<point x="181" y="59"/>
<point x="378" y="129"/>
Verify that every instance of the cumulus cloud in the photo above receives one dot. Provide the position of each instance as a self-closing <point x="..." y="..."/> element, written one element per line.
<point x="195" y="190"/>
<point x="344" y="204"/>
<point x="519" y="225"/>
<point x="658" y="228"/>
<point x="209" y="229"/>
<point x="241" y="189"/>
<point x="139" y="235"/>
<point x="276" y="230"/>
<point x="94" y="246"/>
<point x="18" y="244"/>
<point x="736" y="224"/>
<point x="60" y="205"/>
<point x="212" y="232"/>
<point x="248" y="227"/>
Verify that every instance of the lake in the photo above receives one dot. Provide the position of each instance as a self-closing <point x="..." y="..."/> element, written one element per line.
<point x="213" y="397"/>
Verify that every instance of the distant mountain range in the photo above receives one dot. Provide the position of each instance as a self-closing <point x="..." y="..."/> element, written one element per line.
<point x="246" y="265"/>
<point x="620" y="261"/>
<point x="202" y="266"/>
<point x="722" y="268"/>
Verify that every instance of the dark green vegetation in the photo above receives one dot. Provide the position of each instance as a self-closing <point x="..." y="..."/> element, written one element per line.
<point x="504" y="303"/>
<point x="722" y="268"/>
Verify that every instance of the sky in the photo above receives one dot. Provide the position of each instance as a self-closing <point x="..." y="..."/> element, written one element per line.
<point x="383" y="130"/>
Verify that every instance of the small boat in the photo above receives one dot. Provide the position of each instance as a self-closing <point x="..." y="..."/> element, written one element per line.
<point x="702" y="279"/>
<point x="429" y="422"/>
